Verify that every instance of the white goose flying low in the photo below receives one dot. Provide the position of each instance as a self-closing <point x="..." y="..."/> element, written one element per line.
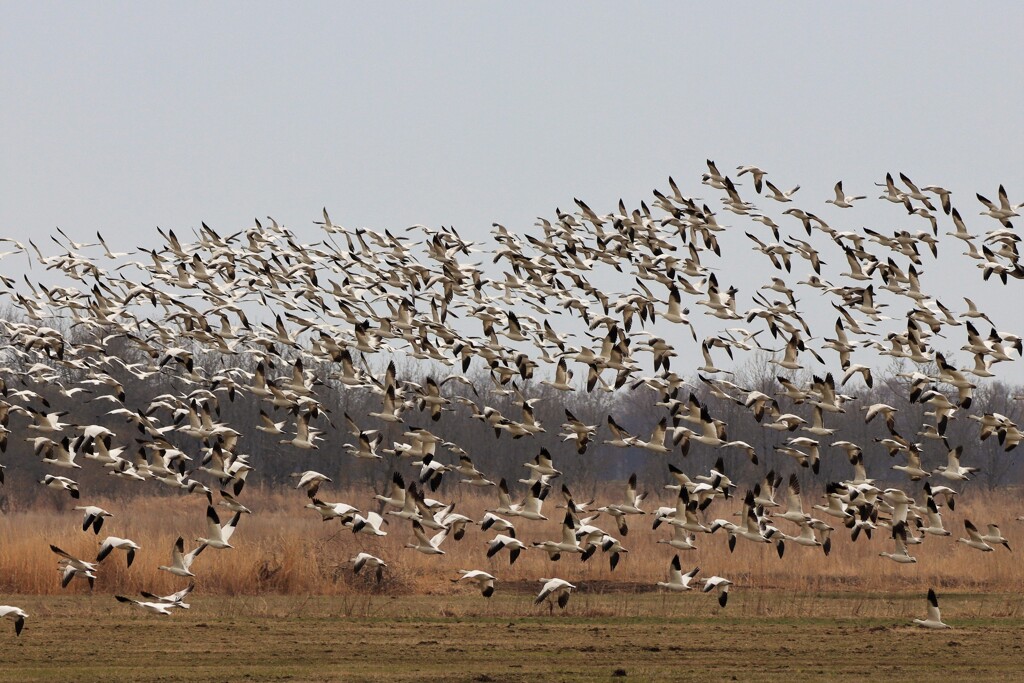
<point x="217" y="535"/>
<point x="934" y="619"/>
<point x="557" y="589"/>
<point x="155" y="607"/>
<point x="174" y="599"/>
<point x="717" y="582"/>
<point x="367" y="560"/>
<point x="678" y="581"/>
<point x="15" y="614"/>
<point x="111" y="543"/>
<point x="181" y="563"/>
<point x="483" y="580"/>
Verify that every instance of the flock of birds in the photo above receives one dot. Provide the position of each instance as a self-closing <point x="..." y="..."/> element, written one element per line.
<point x="538" y="303"/>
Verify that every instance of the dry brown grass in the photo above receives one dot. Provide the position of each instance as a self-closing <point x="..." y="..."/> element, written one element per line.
<point x="285" y="548"/>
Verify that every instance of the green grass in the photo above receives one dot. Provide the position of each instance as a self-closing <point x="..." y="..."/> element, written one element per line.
<point x="649" y="637"/>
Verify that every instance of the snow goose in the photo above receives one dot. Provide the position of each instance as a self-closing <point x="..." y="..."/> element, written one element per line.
<point x="431" y="471"/>
<point x="806" y="537"/>
<point x="620" y="437"/>
<point x="47" y="423"/>
<point x="953" y="470"/>
<point x="310" y="480"/>
<point x="836" y="507"/>
<point x="111" y="543"/>
<point x="543" y="464"/>
<point x="757" y="173"/>
<point x="994" y="536"/>
<point x="217" y="535"/>
<point x="92" y="516"/>
<point x="563" y="377"/>
<point x="681" y="539"/>
<point x="305" y="437"/>
<point x="841" y="200"/>
<point x="397" y="492"/>
<point x="974" y="539"/>
<point x="500" y="541"/>
<point x="937" y="490"/>
<point x="531" y="506"/>
<point x="174" y="599"/>
<point x="686" y="514"/>
<point x="367" y="560"/>
<point x="269" y="426"/>
<point x="366" y="448"/>
<point x="613" y="547"/>
<point x="899" y="537"/>
<point x="15" y="614"/>
<point x="471" y="475"/>
<point x="568" y="544"/>
<point x="934" y="619"/>
<point x="631" y="506"/>
<point x="57" y="454"/>
<point x="483" y="580"/>
<point x="554" y="589"/>
<point x="913" y="467"/>
<point x="678" y="581"/>
<point x="719" y="583"/>
<point x="329" y="511"/>
<point x="61" y="484"/>
<point x="492" y="520"/>
<point x="427" y="546"/>
<point x="181" y="563"/>
<point x="370" y="524"/>
<point x="1002" y="213"/>
<point x="794" y="504"/>
<point x="454" y="522"/>
<point x="232" y="504"/>
<point x="764" y="493"/>
<point x="72" y="566"/>
<point x="392" y="407"/>
<point x="935" y="526"/>
<point x="779" y="195"/>
<point x="154" y="607"/>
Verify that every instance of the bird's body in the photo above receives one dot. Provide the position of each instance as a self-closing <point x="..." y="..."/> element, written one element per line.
<point x="15" y="614"/>
<point x="483" y="580"/>
<point x="555" y="589"/>
<point x="678" y="581"/>
<point x="934" y="619"/>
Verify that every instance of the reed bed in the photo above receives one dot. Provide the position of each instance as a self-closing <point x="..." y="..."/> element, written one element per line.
<point x="284" y="548"/>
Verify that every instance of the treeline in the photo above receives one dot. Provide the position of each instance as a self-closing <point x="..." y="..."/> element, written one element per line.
<point x="30" y="380"/>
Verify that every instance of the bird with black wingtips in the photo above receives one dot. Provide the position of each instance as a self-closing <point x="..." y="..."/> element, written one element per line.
<point x="483" y="580"/>
<point x="111" y="543"/>
<point x="678" y="581"/>
<point x="181" y="562"/>
<point x="154" y="607"/>
<point x="217" y="535"/>
<point x="366" y="560"/>
<point x="176" y="599"/>
<point x="934" y="619"/>
<point x="15" y="614"/>
<point x="557" y="590"/>
<point x="720" y="584"/>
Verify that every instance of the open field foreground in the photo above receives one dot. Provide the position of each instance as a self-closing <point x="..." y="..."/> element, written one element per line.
<point x="611" y="636"/>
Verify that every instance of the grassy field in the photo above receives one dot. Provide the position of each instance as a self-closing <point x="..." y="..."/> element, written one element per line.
<point x="610" y="636"/>
<point x="285" y="605"/>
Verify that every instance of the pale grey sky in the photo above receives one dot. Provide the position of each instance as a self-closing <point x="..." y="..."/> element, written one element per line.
<point x="121" y="117"/>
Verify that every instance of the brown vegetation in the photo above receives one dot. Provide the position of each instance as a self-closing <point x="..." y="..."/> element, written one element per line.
<point x="285" y="548"/>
